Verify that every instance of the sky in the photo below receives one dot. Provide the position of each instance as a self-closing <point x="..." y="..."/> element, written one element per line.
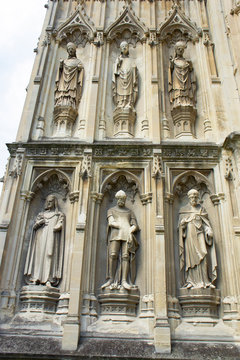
<point x="20" y="26"/>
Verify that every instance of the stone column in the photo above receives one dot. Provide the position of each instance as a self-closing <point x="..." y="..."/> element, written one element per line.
<point x="162" y="335"/>
<point x="71" y="327"/>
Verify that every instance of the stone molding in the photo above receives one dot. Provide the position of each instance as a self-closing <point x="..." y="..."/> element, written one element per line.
<point x="175" y="150"/>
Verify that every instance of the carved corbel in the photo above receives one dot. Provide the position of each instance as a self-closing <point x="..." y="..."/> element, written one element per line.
<point x="27" y="195"/>
<point x="74" y="196"/>
<point x="217" y="198"/>
<point x="97" y="197"/>
<point x="98" y="41"/>
<point x="146" y="198"/>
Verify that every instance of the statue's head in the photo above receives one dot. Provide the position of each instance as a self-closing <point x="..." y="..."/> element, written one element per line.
<point x="193" y="196"/>
<point x="71" y="49"/>
<point x="51" y="202"/>
<point x="121" y="198"/>
<point x="180" y="46"/>
<point x="124" y="48"/>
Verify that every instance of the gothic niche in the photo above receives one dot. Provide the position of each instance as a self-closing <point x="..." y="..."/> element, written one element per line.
<point x="125" y="91"/>
<point x="198" y="295"/>
<point x="182" y="93"/>
<point x="43" y="269"/>
<point x="119" y="295"/>
<point x="68" y="90"/>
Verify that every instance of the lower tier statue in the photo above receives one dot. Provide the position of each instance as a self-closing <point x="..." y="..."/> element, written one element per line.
<point x="196" y="245"/>
<point x="45" y="253"/>
<point x="122" y="245"/>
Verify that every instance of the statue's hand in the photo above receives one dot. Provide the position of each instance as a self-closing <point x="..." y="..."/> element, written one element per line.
<point x="57" y="228"/>
<point x="209" y="232"/>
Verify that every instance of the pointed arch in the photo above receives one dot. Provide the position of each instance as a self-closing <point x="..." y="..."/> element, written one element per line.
<point x="78" y="28"/>
<point x="192" y="179"/>
<point x="127" y="27"/>
<point x="50" y="181"/>
<point x="178" y="27"/>
<point x="121" y="180"/>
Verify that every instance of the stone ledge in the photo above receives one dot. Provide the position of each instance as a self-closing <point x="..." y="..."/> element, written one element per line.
<point x="28" y="347"/>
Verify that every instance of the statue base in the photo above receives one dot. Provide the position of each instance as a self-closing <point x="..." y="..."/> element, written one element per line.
<point x="39" y="299"/>
<point x="184" y="121"/>
<point x="124" y="120"/>
<point x="199" y="304"/>
<point x="119" y="305"/>
<point x="64" y="118"/>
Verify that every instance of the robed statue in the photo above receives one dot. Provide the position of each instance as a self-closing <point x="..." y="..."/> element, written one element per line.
<point x="46" y="248"/>
<point x="196" y="245"/>
<point x="69" y="80"/>
<point x="181" y="79"/>
<point x="122" y="245"/>
<point x="125" y="79"/>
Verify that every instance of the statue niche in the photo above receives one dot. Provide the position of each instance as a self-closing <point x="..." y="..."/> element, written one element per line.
<point x="119" y="296"/>
<point x="182" y="93"/>
<point x="125" y="91"/>
<point x="196" y="246"/>
<point x="44" y="262"/>
<point x="68" y="89"/>
<point x="122" y="245"/>
<point x="198" y="295"/>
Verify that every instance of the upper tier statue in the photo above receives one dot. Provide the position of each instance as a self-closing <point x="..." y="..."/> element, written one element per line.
<point x="122" y="245"/>
<point x="69" y="80"/>
<point x="181" y="79"/>
<point x="125" y="79"/>
<point x="196" y="245"/>
<point x="45" y="253"/>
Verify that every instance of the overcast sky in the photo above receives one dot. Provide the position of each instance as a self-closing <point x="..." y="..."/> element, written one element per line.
<point x="20" y="26"/>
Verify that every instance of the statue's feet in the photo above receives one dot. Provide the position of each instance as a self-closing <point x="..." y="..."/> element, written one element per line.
<point x="108" y="283"/>
<point x="48" y="284"/>
<point x="211" y="286"/>
<point x="188" y="286"/>
<point x="126" y="286"/>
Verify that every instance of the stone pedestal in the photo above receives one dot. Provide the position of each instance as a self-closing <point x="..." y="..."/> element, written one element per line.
<point x="184" y="121"/>
<point x="64" y="118"/>
<point x="119" y="305"/>
<point x="199" y="305"/>
<point x="39" y="299"/>
<point x="124" y="120"/>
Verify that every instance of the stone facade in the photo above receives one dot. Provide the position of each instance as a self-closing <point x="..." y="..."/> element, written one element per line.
<point x="138" y="98"/>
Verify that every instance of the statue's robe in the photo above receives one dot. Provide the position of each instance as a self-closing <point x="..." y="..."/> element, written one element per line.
<point x="45" y="253"/>
<point x="181" y="83"/>
<point x="196" y="247"/>
<point x="125" y="83"/>
<point x="69" y="83"/>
